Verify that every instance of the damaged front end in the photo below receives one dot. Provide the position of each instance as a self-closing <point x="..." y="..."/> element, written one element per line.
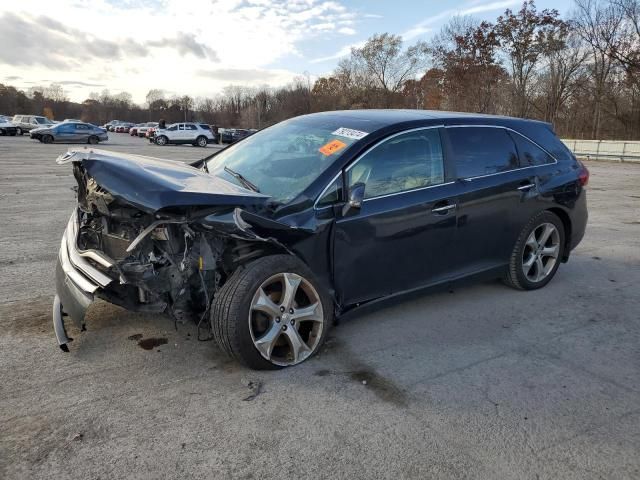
<point x="135" y="242"/>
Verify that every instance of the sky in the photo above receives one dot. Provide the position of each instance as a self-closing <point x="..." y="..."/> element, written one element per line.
<point x="197" y="47"/>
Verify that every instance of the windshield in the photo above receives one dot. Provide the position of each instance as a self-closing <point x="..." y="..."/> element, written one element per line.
<point x="43" y="121"/>
<point x="285" y="159"/>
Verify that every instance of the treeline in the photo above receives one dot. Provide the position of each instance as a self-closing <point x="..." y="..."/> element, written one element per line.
<point x="582" y="73"/>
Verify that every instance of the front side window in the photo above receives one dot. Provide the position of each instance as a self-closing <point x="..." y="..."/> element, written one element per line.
<point x="482" y="151"/>
<point x="405" y="162"/>
<point x="65" y="128"/>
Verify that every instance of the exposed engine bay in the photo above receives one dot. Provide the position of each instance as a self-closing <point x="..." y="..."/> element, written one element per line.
<point x="170" y="260"/>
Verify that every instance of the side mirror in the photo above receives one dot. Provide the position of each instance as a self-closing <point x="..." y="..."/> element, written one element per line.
<point x="356" y="196"/>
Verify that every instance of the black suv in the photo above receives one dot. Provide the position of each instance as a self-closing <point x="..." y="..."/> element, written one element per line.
<point x="269" y="239"/>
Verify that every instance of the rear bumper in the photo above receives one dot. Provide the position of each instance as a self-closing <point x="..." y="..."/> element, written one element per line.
<point x="77" y="280"/>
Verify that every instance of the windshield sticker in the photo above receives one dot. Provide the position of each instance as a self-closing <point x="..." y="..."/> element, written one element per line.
<point x="350" y="133"/>
<point x="332" y="147"/>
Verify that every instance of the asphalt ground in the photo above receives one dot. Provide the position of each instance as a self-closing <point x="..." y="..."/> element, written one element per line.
<point x="481" y="382"/>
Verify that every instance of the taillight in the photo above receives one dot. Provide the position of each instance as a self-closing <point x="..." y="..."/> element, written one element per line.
<point x="583" y="176"/>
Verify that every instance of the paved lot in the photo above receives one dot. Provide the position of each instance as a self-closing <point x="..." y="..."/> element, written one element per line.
<point x="483" y="382"/>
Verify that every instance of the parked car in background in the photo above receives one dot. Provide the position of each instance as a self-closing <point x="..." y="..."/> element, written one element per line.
<point x="26" y="123"/>
<point x="150" y="133"/>
<point x="226" y="135"/>
<point x="133" y="131"/>
<point x="7" y="127"/>
<point x="196" y="134"/>
<point x="70" y="132"/>
<point x="142" y="130"/>
<point x="109" y="126"/>
<point x="239" y="134"/>
<point x="71" y="120"/>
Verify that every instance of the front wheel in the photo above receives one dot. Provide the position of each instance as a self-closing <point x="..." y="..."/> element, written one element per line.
<point x="202" y="141"/>
<point x="19" y="131"/>
<point x="536" y="255"/>
<point x="47" y="139"/>
<point x="162" y="140"/>
<point x="271" y="313"/>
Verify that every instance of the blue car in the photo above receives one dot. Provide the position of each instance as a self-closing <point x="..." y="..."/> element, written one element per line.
<point x="70" y="132"/>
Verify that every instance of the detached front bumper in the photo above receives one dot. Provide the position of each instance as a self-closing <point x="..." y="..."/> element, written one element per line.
<point x="77" y="279"/>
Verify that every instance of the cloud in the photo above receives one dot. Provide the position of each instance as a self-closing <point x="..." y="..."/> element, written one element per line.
<point x="240" y="75"/>
<point x="78" y="83"/>
<point x="42" y="41"/>
<point x="471" y="8"/>
<point x="186" y="43"/>
<point x="347" y="31"/>
<point x="344" y="51"/>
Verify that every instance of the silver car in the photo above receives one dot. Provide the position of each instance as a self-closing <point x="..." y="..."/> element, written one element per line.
<point x="70" y="132"/>
<point x="26" y="123"/>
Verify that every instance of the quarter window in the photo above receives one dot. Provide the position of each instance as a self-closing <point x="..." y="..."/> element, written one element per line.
<point x="482" y="151"/>
<point x="331" y="194"/>
<point x="530" y="154"/>
<point x="405" y="162"/>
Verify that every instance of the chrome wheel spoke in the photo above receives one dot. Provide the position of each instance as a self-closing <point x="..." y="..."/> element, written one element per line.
<point x="264" y="304"/>
<point x="532" y="243"/>
<point x="551" y="251"/>
<point x="312" y="313"/>
<point x="290" y="288"/>
<point x="266" y="343"/>
<point x="298" y="346"/>
<point x="539" y="269"/>
<point x="546" y="233"/>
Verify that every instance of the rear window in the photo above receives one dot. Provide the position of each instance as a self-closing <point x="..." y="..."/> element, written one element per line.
<point x="544" y="136"/>
<point x="482" y="151"/>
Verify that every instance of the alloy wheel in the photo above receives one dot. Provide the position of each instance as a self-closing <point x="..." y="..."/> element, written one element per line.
<point x="540" y="253"/>
<point x="286" y="319"/>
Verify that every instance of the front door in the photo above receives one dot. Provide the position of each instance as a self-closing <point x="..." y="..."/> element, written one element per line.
<point x="402" y="236"/>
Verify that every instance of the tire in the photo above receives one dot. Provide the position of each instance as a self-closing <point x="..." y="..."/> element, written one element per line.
<point x="3" y="132"/>
<point x="19" y="131"/>
<point x="162" y="140"/>
<point x="238" y="327"/>
<point x="201" y="141"/>
<point x="47" y="139"/>
<point x="93" y="140"/>
<point x="530" y="249"/>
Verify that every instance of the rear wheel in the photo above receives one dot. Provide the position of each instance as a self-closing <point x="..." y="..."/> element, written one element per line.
<point x="161" y="140"/>
<point x="47" y="139"/>
<point x="271" y="313"/>
<point x="537" y="253"/>
<point x="93" y="140"/>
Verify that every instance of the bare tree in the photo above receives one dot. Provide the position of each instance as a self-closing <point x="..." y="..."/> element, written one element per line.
<point x="523" y="37"/>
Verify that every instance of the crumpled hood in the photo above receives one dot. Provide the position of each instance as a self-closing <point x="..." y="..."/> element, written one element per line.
<point x="152" y="183"/>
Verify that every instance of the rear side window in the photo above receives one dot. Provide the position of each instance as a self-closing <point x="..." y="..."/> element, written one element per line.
<point x="190" y="127"/>
<point x="482" y="151"/>
<point x="544" y="136"/>
<point x="530" y="154"/>
<point x="405" y="162"/>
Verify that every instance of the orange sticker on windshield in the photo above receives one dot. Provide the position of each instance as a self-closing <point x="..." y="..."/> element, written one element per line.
<point x="332" y="147"/>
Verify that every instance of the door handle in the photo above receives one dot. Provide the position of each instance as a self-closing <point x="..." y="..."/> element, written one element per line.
<point x="444" y="209"/>
<point x="527" y="187"/>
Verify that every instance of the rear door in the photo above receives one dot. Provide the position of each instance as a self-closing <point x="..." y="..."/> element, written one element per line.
<point x="65" y="133"/>
<point x="496" y="196"/>
<point x="403" y="234"/>
<point x="81" y="133"/>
